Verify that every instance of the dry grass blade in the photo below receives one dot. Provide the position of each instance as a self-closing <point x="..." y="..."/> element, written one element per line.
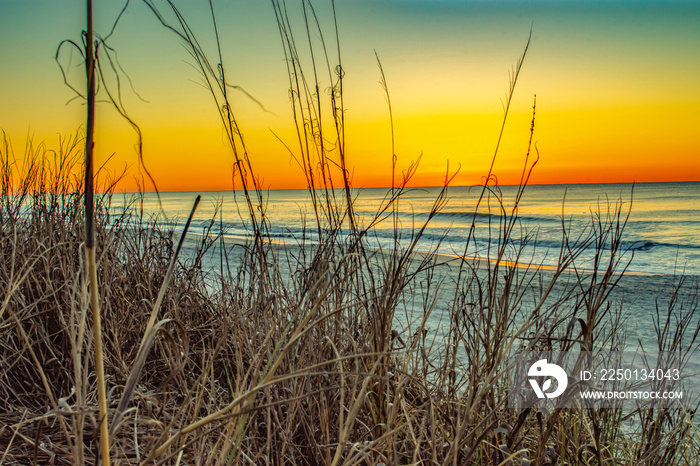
<point x="151" y="331"/>
<point x="134" y="374"/>
<point x="168" y="275"/>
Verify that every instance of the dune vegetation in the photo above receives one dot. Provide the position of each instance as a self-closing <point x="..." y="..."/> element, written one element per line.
<point x="292" y="354"/>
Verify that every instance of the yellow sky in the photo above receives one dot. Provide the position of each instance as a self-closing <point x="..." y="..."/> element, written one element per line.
<point x="617" y="84"/>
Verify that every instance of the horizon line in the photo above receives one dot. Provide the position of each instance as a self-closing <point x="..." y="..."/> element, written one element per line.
<point x="415" y="187"/>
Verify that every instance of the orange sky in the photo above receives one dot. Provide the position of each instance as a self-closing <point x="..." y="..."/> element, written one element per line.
<point x="617" y="84"/>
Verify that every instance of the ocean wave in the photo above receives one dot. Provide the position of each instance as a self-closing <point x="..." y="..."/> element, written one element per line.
<point x="643" y="245"/>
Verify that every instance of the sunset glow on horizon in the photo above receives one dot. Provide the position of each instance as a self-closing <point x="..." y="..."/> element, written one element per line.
<point x="617" y="87"/>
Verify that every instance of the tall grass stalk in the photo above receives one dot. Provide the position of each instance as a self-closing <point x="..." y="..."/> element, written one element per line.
<point x="90" y="236"/>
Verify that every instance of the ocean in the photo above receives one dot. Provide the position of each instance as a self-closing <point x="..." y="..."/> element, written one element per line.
<point x="661" y="236"/>
<point x="660" y="242"/>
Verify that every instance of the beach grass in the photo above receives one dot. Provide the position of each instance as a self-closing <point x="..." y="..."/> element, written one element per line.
<point x="292" y="354"/>
<point x="301" y="367"/>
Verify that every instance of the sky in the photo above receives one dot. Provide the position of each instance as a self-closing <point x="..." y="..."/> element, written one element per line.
<point x="617" y="85"/>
